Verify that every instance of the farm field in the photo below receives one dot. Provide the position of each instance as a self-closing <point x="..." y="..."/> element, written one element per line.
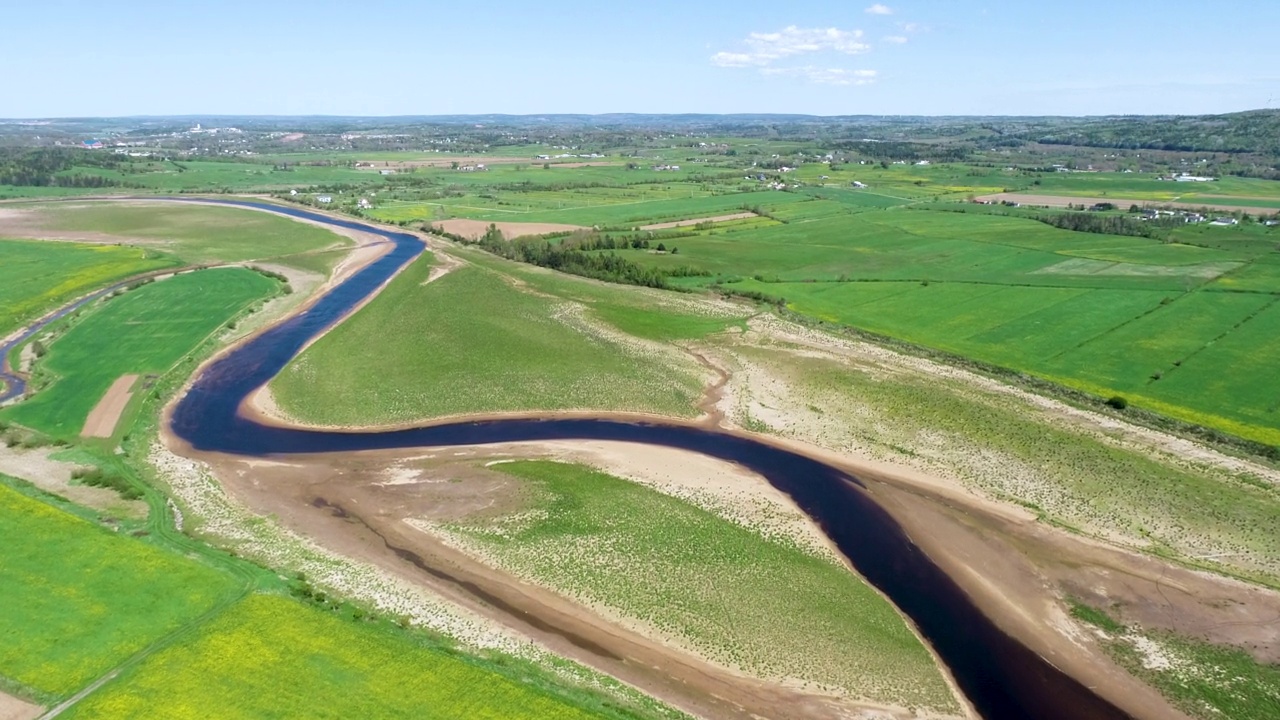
<point x="194" y="233"/>
<point x="1110" y="315"/>
<point x="36" y="277"/>
<point x="270" y="656"/>
<point x="477" y="342"/>
<point x="144" y="332"/>
<point x="79" y="598"/>
<point x="768" y="606"/>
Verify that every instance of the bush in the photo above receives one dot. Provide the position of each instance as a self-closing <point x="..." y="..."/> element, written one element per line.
<point x="1118" y="402"/>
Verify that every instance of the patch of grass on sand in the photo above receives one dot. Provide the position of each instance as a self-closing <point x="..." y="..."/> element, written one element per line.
<point x="36" y="277"/>
<point x="475" y="341"/>
<point x="1203" y="680"/>
<point x="76" y="599"/>
<point x="765" y="606"/>
<point x="195" y="233"/>
<point x="143" y="331"/>
<point x="1012" y="449"/>
<point x="269" y="656"/>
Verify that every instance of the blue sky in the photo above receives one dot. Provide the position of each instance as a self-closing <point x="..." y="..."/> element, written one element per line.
<point x="400" y="57"/>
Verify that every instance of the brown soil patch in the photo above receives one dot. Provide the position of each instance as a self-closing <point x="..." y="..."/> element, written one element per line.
<point x="11" y="708"/>
<point x="474" y="229"/>
<point x="102" y="420"/>
<point x="698" y="221"/>
<point x="293" y="137"/>
<point x="444" y="161"/>
<point x="54" y="476"/>
<point x="1059" y="201"/>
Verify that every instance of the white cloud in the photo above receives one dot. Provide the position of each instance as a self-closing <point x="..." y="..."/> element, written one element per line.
<point x="896" y="39"/>
<point x="879" y="9"/>
<point x="824" y="76"/>
<point x="764" y="49"/>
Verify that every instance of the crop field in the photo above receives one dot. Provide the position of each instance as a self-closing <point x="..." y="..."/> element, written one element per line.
<point x="1009" y="449"/>
<point x="766" y="606"/>
<point x="195" y="233"/>
<point x="269" y="656"/>
<point x="79" y="599"/>
<point x="144" y="332"/>
<point x="472" y="342"/>
<point x="1155" y="322"/>
<point x="36" y="277"/>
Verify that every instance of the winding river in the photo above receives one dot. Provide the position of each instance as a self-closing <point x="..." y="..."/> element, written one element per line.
<point x="1000" y="677"/>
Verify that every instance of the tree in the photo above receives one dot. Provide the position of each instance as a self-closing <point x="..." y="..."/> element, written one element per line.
<point x="662" y="247"/>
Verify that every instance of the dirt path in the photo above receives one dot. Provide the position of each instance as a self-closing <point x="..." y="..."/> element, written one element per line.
<point x="1061" y="201"/>
<point x="102" y="420"/>
<point x="12" y="708"/>
<point x="698" y="221"/>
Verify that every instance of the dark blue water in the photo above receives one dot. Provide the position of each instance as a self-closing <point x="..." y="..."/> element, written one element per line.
<point x="1002" y="679"/>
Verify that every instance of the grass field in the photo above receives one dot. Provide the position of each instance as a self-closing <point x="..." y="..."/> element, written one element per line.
<point x="144" y="331"/>
<point x="36" y="277"/>
<point x="270" y="656"/>
<point x="766" y="606"/>
<point x="473" y="341"/>
<point x="194" y="233"/>
<point x="79" y="599"/>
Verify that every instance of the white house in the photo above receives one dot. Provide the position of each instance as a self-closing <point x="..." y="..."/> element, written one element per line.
<point x="324" y="199"/>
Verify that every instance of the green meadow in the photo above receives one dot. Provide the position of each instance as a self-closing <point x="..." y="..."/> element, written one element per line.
<point x="1156" y="322"/>
<point x="145" y="331"/>
<point x="194" y="233"/>
<point x="270" y="656"/>
<point x="765" y="605"/>
<point x="79" y="599"/>
<point x="36" y="277"/>
<point x="475" y="341"/>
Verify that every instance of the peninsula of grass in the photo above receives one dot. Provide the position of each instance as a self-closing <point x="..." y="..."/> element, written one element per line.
<point x="765" y="606"/>
<point x="271" y="656"/>
<point x="475" y="341"/>
<point x="37" y="277"/>
<point x="142" y="332"/>
<point x="79" y="599"/>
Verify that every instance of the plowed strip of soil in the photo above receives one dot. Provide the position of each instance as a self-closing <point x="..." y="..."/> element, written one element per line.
<point x="1064" y="201"/>
<point x="473" y="229"/>
<point x="101" y="422"/>
<point x="697" y="221"/>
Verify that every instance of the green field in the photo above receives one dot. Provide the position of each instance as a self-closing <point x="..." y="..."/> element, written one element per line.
<point x="474" y="341"/>
<point x="194" y="233"/>
<point x="144" y="331"/>
<point x="1153" y="321"/>
<point x="36" y="277"/>
<point x="767" y="606"/>
<point x="78" y="598"/>
<point x="272" y="657"/>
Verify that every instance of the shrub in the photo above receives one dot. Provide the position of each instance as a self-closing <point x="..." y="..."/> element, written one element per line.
<point x="1118" y="402"/>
